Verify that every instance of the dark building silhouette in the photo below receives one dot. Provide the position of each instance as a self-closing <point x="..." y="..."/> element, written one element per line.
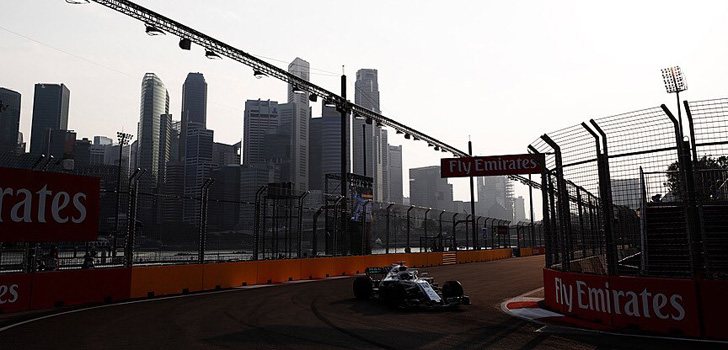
<point x="61" y="144"/>
<point x="9" y="121"/>
<point x="82" y="152"/>
<point x="50" y="112"/>
<point x="224" y="154"/>
<point x="194" y="106"/>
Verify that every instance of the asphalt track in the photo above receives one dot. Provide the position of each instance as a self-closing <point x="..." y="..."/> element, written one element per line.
<point x="319" y="315"/>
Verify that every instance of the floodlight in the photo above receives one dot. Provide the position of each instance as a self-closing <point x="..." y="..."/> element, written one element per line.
<point x="212" y="55"/>
<point x="153" y="31"/>
<point x="185" y="44"/>
<point x="258" y="74"/>
<point x="674" y="79"/>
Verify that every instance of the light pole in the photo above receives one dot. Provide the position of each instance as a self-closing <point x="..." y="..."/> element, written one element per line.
<point x="124" y="139"/>
<point x="675" y="83"/>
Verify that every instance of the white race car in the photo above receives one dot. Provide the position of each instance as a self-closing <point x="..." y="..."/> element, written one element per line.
<point x="401" y="287"/>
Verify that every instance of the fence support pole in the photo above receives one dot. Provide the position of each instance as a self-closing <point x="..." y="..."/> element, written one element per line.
<point x="204" y="192"/>
<point x="386" y="248"/>
<point x="545" y="226"/>
<point x="688" y="190"/>
<point x="300" y="222"/>
<point x="425" y="224"/>
<point x="454" y="246"/>
<point x="605" y="192"/>
<point x="407" y="249"/>
<point x="133" y="191"/>
<point x="564" y="209"/>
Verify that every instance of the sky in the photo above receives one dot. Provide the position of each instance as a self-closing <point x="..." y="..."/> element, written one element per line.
<point x="498" y="72"/>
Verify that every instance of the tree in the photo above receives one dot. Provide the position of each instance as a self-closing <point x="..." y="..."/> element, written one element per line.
<point x="711" y="178"/>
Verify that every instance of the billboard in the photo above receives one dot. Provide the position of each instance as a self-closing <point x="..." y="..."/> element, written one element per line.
<point x="492" y="165"/>
<point x="37" y="206"/>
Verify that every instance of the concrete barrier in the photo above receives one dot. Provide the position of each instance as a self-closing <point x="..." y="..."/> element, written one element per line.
<point x="147" y="281"/>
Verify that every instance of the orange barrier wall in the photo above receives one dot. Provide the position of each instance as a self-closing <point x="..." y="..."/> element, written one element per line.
<point x="75" y="287"/>
<point x="526" y="251"/>
<point x="228" y="275"/>
<point x="168" y="279"/>
<point x="470" y="256"/>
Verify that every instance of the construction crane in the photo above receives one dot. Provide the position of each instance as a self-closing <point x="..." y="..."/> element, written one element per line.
<point x="158" y="24"/>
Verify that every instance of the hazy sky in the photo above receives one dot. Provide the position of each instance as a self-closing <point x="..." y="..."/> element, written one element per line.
<point x="502" y="72"/>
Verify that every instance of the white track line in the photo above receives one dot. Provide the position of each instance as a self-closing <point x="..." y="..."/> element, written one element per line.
<point x="195" y="294"/>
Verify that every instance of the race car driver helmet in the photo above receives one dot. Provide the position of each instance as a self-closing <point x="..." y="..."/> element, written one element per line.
<point x="406" y="275"/>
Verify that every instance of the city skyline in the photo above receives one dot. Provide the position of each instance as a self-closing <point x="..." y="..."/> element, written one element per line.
<point x="594" y="64"/>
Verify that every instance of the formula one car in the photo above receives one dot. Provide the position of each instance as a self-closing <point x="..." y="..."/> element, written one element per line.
<point x="401" y="287"/>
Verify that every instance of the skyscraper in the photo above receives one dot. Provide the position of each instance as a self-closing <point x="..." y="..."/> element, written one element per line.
<point x="315" y="176"/>
<point x="297" y="127"/>
<point x="154" y="104"/>
<point x="50" y="112"/>
<point x="519" y="209"/>
<point x="428" y="189"/>
<point x="194" y="106"/>
<point x="9" y="120"/>
<point x="495" y="197"/>
<point x="198" y="167"/>
<point x="260" y="118"/>
<point x="331" y="142"/>
<point x="395" y="174"/>
<point x="370" y="137"/>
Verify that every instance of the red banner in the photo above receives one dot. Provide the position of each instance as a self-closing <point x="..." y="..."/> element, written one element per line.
<point x="492" y="165"/>
<point x="37" y="206"/>
<point x="667" y="306"/>
<point x="15" y="289"/>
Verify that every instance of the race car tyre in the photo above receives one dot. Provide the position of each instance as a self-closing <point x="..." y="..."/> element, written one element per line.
<point x="452" y="289"/>
<point x="363" y="287"/>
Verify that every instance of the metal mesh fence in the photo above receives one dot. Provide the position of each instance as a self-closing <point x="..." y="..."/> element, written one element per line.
<point x="179" y="226"/>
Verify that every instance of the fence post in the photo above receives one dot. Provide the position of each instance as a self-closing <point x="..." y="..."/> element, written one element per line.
<point x="581" y="222"/>
<point x="688" y="190"/>
<point x="300" y="222"/>
<point x="545" y="221"/>
<point x="564" y="209"/>
<point x="256" y="223"/>
<point x="204" y="192"/>
<point x="467" y="223"/>
<point x="476" y="246"/>
<point x="364" y="238"/>
<point x="425" y="224"/>
<point x="407" y="249"/>
<point x="605" y="192"/>
<point x="133" y="191"/>
<point x="386" y="248"/>
<point x="694" y="147"/>
<point x="454" y="246"/>
<point x="440" y="235"/>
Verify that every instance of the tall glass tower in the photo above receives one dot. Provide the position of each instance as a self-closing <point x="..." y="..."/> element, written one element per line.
<point x="194" y="107"/>
<point x="9" y="120"/>
<point x="154" y="104"/>
<point x="50" y="112"/>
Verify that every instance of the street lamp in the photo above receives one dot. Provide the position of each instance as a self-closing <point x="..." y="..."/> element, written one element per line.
<point x="675" y="83"/>
<point x="124" y="139"/>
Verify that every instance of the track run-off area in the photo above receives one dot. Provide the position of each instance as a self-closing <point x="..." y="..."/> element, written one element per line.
<point x="318" y="314"/>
